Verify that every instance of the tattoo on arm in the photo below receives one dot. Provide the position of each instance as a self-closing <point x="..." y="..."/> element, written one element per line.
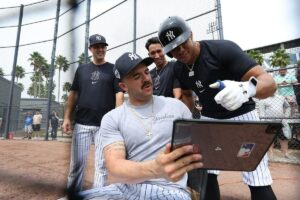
<point x="115" y="146"/>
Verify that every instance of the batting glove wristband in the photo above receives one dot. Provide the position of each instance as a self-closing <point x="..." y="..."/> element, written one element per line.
<point x="235" y="93"/>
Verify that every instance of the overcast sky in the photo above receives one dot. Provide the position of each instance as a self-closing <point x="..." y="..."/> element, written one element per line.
<point x="250" y="23"/>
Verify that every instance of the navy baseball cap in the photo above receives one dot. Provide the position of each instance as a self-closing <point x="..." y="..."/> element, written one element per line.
<point x="97" y="39"/>
<point x="127" y="62"/>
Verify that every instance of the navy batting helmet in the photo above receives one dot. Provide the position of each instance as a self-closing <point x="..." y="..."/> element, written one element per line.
<point x="172" y="33"/>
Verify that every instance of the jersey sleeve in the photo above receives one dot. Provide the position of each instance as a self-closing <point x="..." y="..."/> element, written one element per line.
<point x="234" y="59"/>
<point x="75" y="84"/>
<point x="178" y="72"/>
<point x="109" y="129"/>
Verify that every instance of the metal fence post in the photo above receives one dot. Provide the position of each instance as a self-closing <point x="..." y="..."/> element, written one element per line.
<point x="13" y="73"/>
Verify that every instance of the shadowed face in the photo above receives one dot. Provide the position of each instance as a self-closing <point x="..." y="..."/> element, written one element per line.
<point x="184" y="52"/>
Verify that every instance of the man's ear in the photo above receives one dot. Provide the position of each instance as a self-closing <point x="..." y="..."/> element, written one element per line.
<point x="123" y="86"/>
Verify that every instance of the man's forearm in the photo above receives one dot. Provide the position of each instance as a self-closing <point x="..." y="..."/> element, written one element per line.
<point x="121" y="170"/>
<point x="187" y="99"/>
<point x="72" y="99"/>
<point x="266" y="86"/>
<point x="132" y="172"/>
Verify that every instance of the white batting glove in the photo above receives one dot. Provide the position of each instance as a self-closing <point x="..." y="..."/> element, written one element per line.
<point x="234" y="93"/>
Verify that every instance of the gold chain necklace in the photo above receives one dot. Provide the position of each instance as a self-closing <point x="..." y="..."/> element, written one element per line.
<point x="140" y="118"/>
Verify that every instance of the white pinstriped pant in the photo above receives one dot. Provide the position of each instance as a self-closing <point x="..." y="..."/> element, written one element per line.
<point x="82" y="139"/>
<point x="136" y="192"/>
<point x="261" y="176"/>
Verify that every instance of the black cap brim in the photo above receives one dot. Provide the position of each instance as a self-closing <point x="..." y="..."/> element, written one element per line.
<point x="178" y="41"/>
<point x="146" y="61"/>
<point x="99" y="43"/>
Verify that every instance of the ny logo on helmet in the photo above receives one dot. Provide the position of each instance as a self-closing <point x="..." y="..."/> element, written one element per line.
<point x="133" y="56"/>
<point x="98" y="37"/>
<point x="170" y="35"/>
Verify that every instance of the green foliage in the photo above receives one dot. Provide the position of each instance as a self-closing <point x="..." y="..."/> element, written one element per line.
<point x="45" y="95"/>
<point x="37" y="61"/>
<point x="20" y="72"/>
<point x="36" y="90"/>
<point x="41" y="68"/>
<point x="256" y="55"/>
<point x="22" y="86"/>
<point x="67" y="87"/>
<point x="62" y="63"/>
<point x="45" y="70"/>
<point x="280" y="58"/>
<point x="81" y="59"/>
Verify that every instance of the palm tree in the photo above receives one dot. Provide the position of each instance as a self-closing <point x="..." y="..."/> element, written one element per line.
<point x="61" y="63"/>
<point x="45" y="70"/>
<point x="45" y="94"/>
<point x="256" y="55"/>
<point x="81" y="59"/>
<point x="20" y="72"/>
<point x="67" y="87"/>
<point x="280" y="58"/>
<point x="1" y="72"/>
<point x="38" y="62"/>
<point x="22" y="86"/>
<point x="32" y="90"/>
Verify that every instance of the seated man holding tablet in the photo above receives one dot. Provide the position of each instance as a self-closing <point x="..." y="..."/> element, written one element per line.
<point x="136" y="140"/>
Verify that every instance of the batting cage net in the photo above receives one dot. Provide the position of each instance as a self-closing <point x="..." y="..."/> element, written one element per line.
<point x="52" y="41"/>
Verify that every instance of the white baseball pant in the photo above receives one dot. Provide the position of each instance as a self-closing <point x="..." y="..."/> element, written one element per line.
<point x="82" y="139"/>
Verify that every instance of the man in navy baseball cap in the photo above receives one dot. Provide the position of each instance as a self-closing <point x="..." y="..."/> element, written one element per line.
<point x="127" y="62"/>
<point x="97" y="39"/>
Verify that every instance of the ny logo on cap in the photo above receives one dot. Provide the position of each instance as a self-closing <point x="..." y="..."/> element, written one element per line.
<point x="133" y="56"/>
<point x="98" y="37"/>
<point x="170" y="35"/>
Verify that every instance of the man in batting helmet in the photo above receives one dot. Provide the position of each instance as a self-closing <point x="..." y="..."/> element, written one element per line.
<point x="225" y="79"/>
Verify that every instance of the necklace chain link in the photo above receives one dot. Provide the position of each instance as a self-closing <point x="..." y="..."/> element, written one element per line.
<point x="140" y="118"/>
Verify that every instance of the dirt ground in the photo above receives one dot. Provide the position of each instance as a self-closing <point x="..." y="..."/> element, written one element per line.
<point x="38" y="170"/>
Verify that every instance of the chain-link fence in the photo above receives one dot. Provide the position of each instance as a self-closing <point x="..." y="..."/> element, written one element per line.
<point x="126" y="25"/>
<point x="284" y="105"/>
